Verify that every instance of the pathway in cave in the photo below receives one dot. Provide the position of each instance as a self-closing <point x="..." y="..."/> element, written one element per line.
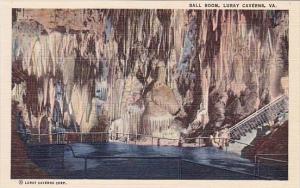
<point x="200" y="163"/>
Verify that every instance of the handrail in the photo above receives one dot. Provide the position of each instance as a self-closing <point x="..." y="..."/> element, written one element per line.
<point x="257" y="112"/>
<point x="165" y="138"/>
<point x="270" y="159"/>
<point x="120" y="157"/>
<point x="230" y="170"/>
<point x="71" y="148"/>
<point x="156" y="137"/>
<point x="257" y="156"/>
<point x="271" y="154"/>
<point x="258" y="160"/>
<point x="61" y="140"/>
<point x="179" y="158"/>
<point x="153" y="137"/>
<point x="86" y="157"/>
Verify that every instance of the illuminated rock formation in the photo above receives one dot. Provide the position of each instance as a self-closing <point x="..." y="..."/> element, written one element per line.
<point x="103" y="63"/>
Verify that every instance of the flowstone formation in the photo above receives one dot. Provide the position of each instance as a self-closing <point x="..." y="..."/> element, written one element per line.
<point x="160" y="107"/>
<point x="138" y="73"/>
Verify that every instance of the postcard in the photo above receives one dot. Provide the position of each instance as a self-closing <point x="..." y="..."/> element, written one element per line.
<point x="150" y="93"/>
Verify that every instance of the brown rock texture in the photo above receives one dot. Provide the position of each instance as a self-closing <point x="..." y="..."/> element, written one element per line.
<point x="205" y="68"/>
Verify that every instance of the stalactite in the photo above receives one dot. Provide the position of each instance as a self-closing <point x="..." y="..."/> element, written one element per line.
<point x="169" y="63"/>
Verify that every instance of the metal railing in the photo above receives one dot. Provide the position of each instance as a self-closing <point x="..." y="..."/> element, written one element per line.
<point x="277" y="100"/>
<point x="180" y="172"/>
<point x="87" y="157"/>
<point x="69" y="137"/>
<point x="97" y="137"/>
<point x="228" y="170"/>
<point x="267" y="111"/>
<point x="264" y="160"/>
<point x="105" y="137"/>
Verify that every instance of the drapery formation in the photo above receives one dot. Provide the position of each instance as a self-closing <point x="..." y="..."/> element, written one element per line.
<point x="200" y="67"/>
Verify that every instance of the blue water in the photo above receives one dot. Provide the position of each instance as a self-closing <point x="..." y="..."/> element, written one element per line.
<point x="207" y="155"/>
<point x="201" y="163"/>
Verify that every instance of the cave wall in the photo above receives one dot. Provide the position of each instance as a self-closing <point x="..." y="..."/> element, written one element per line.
<point x="207" y="68"/>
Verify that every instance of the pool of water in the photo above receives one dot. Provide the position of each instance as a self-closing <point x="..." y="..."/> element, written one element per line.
<point x="198" y="163"/>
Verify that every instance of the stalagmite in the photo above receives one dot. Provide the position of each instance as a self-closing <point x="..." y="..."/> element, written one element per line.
<point x="147" y="68"/>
